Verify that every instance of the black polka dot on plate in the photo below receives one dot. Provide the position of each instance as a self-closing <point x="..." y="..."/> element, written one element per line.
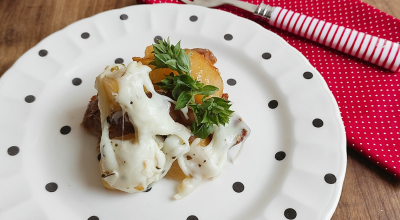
<point x="266" y="56"/>
<point x="273" y="104"/>
<point x="307" y="75"/>
<point x="228" y="37"/>
<point x="99" y="157"/>
<point x="280" y="155"/>
<point x="119" y="61"/>
<point x="123" y="17"/>
<point x="290" y="213"/>
<point x="13" y="150"/>
<point x="93" y="218"/>
<point x="193" y="18"/>
<point x="317" y="123"/>
<point x="76" y="81"/>
<point x="157" y="38"/>
<point x="148" y="190"/>
<point x="65" y="130"/>
<point x="231" y="82"/>
<point x="85" y="35"/>
<point x="30" y="98"/>
<point x="192" y="217"/>
<point x="51" y="187"/>
<point x="238" y="187"/>
<point x="330" y="178"/>
<point x="43" y="53"/>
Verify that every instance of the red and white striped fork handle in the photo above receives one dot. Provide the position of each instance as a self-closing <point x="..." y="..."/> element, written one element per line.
<point x="372" y="49"/>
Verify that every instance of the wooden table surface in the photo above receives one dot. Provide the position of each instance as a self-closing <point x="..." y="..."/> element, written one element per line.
<point x="368" y="191"/>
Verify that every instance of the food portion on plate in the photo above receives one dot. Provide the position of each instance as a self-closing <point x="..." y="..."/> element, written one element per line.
<point x="167" y="106"/>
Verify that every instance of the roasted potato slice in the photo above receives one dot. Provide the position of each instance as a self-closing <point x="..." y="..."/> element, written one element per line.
<point x="148" y="57"/>
<point x="111" y="86"/>
<point x="201" y="68"/>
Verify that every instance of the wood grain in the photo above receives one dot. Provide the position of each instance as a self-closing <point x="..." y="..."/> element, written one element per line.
<point x="368" y="192"/>
<point x="391" y="7"/>
<point x="24" y="23"/>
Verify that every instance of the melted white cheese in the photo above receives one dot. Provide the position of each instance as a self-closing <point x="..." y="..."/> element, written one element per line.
<point x="135" y="165"/>
<point x="185" y="112"/>
<point x="208" y="162"/>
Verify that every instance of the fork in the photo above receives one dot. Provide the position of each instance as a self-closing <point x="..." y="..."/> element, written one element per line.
<point x="372" y="49"/>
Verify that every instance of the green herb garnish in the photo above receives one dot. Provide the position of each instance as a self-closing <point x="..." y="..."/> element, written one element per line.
<point x="184" y="88"/>
<point x="170" y="56"/>
<point x="212" y="111"/>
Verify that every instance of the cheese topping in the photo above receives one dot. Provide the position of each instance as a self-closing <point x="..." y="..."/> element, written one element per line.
<point x="208" y="162"/>
<point x="134" y="164"/>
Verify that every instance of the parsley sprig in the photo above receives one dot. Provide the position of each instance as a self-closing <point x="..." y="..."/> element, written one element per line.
<point x="212" y="111"/>
<point x="170" y="56"/>
<point x="184" y="88"/>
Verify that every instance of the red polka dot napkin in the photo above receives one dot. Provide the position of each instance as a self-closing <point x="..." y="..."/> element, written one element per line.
<point x="367" y="95"/>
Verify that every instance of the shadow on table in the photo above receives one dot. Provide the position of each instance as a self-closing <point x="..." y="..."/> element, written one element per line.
<point x="369" y="192"/>
<point x="367" y="169"/>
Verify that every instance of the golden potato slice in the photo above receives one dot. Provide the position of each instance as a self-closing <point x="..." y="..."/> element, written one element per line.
<point x="144" y="61"/>
<point x="202" y="69"/>
<point x="159" y="74"/>
<point x="205" y="142"/>
<point x="139" y="187"/>
<point x="148" y="53"/>
<point x="110" y="86"/>
<point x="105" y="184"/>
<point x="148" y="57"/>
<point x="175" y="172"/>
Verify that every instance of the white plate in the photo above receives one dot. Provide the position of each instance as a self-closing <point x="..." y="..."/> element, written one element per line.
<point x="296" y="186"/>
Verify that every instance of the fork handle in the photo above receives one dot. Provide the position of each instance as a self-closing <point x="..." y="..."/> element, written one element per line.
<point x="372" y="49"/>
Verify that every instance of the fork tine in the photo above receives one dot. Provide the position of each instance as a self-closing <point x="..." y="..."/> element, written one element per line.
<point x="187" y="1"/>
<point x="205" y="3"/>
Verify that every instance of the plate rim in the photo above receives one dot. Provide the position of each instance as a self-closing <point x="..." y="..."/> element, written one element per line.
<point x="340" y="181"/>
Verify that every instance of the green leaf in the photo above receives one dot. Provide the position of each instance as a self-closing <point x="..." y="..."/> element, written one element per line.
<point x="167" y="83"/>
<point x="186" y="79"/>
<point x="171" y="64"/>
<point x="170" y="53"/>
<point x="203" y="130"/>
<point x="162" y="57"/>
<point x="214" y="119"/>
<point x="206" y="119"/>
<point x="159" y="48"/>
<point x="164" y="51"/>
<point x="183" y="100"/>
<point x="208" y="90"/>
<point x="212" y="110"/>
<point x="183" y="61"/>
<point x="177" y="48"/>
<point x="180" y="87"/>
